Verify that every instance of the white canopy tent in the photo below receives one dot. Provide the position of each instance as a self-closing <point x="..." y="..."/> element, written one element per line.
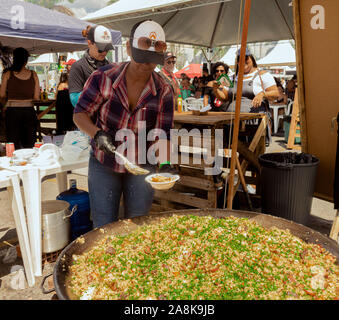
<point x="282" y="54"/>
<point x="41" y="30"/>
<point x="206" y="23"/>
<point x="230" y="56"/>
<point x="74" y="55"/>
<point x="44" y="59"/>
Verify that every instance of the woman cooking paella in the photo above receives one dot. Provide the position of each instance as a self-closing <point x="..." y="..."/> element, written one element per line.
<point x="120" y="96"/>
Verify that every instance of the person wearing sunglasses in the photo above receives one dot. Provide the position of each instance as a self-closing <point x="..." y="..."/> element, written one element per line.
<point x="210" y="97"/>
<point x="99" y="41"/>
<point x="167" y="73"/>
<point x="259" y="87"/>
<point x="125" y="98"/>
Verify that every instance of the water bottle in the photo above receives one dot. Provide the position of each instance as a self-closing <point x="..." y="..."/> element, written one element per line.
<point x="80" y="220"/>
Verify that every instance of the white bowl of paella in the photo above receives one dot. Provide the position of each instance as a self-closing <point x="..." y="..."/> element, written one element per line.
<point x="162" y="181"/>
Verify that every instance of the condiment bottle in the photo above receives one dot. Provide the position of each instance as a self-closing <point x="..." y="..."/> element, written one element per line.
<point x="179" y="103"/>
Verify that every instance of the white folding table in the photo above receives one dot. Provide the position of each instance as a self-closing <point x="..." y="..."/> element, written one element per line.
<point x="31" y="176"/>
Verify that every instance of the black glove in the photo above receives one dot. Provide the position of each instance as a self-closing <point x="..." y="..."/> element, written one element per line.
<point x="167" y="168"/>
<point x="104" y="142"/>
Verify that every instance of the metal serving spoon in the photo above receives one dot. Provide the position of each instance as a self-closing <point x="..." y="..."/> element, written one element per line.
<point x="131" y="167"/>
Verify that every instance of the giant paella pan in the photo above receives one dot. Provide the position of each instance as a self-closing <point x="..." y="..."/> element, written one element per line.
<point x="199" y="254"/>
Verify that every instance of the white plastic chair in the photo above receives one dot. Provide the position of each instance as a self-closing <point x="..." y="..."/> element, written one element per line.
<point x="276" y="116"/>
<point x="184" y="105"/>
<point x="289" y="107"/>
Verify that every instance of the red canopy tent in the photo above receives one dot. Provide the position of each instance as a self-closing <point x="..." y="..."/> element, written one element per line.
<point x="192" y="70"/>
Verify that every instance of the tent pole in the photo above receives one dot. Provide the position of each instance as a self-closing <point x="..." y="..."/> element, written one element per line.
<point x="216" y="23"/>
<point x="300" y="75"/>
<point x="247" y="11"/>
<point x="282" y="14"/>
<point x="209" y="59"/>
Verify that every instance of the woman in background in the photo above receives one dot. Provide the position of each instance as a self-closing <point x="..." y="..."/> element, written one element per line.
<point x="282" y="99"/>
<point x="19" y="87"/>
<point x="258" y="87"/>
<point x="210" y="97"/>
<point x="64" y="107"/>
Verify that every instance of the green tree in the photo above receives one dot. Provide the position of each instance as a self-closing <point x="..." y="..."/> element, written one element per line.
<point x="111" y="2"/>
<point x="47" y="3"/>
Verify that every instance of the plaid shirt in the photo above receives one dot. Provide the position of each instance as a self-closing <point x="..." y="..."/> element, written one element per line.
<point x="105" y="99"/>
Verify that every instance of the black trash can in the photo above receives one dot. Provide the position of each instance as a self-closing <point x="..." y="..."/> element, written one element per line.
<point x="287" y="184"/>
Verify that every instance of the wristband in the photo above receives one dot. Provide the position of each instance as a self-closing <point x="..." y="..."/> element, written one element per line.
<point x="162" y="164"/>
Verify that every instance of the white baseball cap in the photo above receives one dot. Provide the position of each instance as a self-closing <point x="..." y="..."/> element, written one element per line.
<point x="152" y="49"/>
<point x="101" y="36"/>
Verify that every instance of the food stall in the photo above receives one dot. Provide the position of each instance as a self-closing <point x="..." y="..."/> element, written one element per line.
<point x="197" y="152"/>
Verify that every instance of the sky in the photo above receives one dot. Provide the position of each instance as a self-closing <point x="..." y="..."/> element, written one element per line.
<point x="82" y="7"/>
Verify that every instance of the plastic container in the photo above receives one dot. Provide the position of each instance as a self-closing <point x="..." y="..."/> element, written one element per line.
<point x="80" y="220"/>
<point x="287" y="184"/>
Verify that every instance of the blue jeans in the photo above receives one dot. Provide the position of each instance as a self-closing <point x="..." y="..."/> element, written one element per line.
<point x="105" y="188"/>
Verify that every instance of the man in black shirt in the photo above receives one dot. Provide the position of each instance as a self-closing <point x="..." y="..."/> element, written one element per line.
<point x="99" y="41"/>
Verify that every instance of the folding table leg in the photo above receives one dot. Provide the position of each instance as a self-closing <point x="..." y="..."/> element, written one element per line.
<point x="32" y="187"/>
<point x="335" y="227"/>
<point x="275" y="119"/>
<point x="243" y="183"/>
<point x="62" y="181"/>
<point x="21" y="228"/>
<point x="252" y="147"/>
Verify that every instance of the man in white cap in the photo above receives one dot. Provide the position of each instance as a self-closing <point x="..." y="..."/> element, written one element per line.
<point x="125" y="96"/>
<point x="167" y="73"/>
<point x="99" y="40"/>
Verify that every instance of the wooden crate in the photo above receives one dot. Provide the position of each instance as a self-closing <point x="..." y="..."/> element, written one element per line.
<point x="50" y="257"/>
<point x="193" y="190"/>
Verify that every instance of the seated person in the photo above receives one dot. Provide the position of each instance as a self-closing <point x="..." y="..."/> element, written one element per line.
<point x="199" y="92"/>
<point x="282" y="99"/>
<point x="290" y="87"/>
<point x="217" y="103"/>
<point x="186" y="89"/>
<point x="259" y="87"/>
<point x="195" y="83"/>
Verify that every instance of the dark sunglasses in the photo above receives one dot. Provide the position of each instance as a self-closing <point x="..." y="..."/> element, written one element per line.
<point x="220" y="71"/>
<point x="145" y="43"/>
<point x="100" y="51"/>
<point x="171" y="62"/>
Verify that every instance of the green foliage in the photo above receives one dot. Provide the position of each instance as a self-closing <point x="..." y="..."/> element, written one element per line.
<point x="111" y="2"/>
<point x="47" y="3"/>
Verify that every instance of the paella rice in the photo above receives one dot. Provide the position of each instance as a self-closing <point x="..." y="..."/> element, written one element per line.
<point x="201" y="257"/>
<point x="159" y="178"/>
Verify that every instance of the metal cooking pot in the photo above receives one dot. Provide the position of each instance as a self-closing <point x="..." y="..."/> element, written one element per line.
<point x="64" y="261"/>
<point x="56" y="226"/>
